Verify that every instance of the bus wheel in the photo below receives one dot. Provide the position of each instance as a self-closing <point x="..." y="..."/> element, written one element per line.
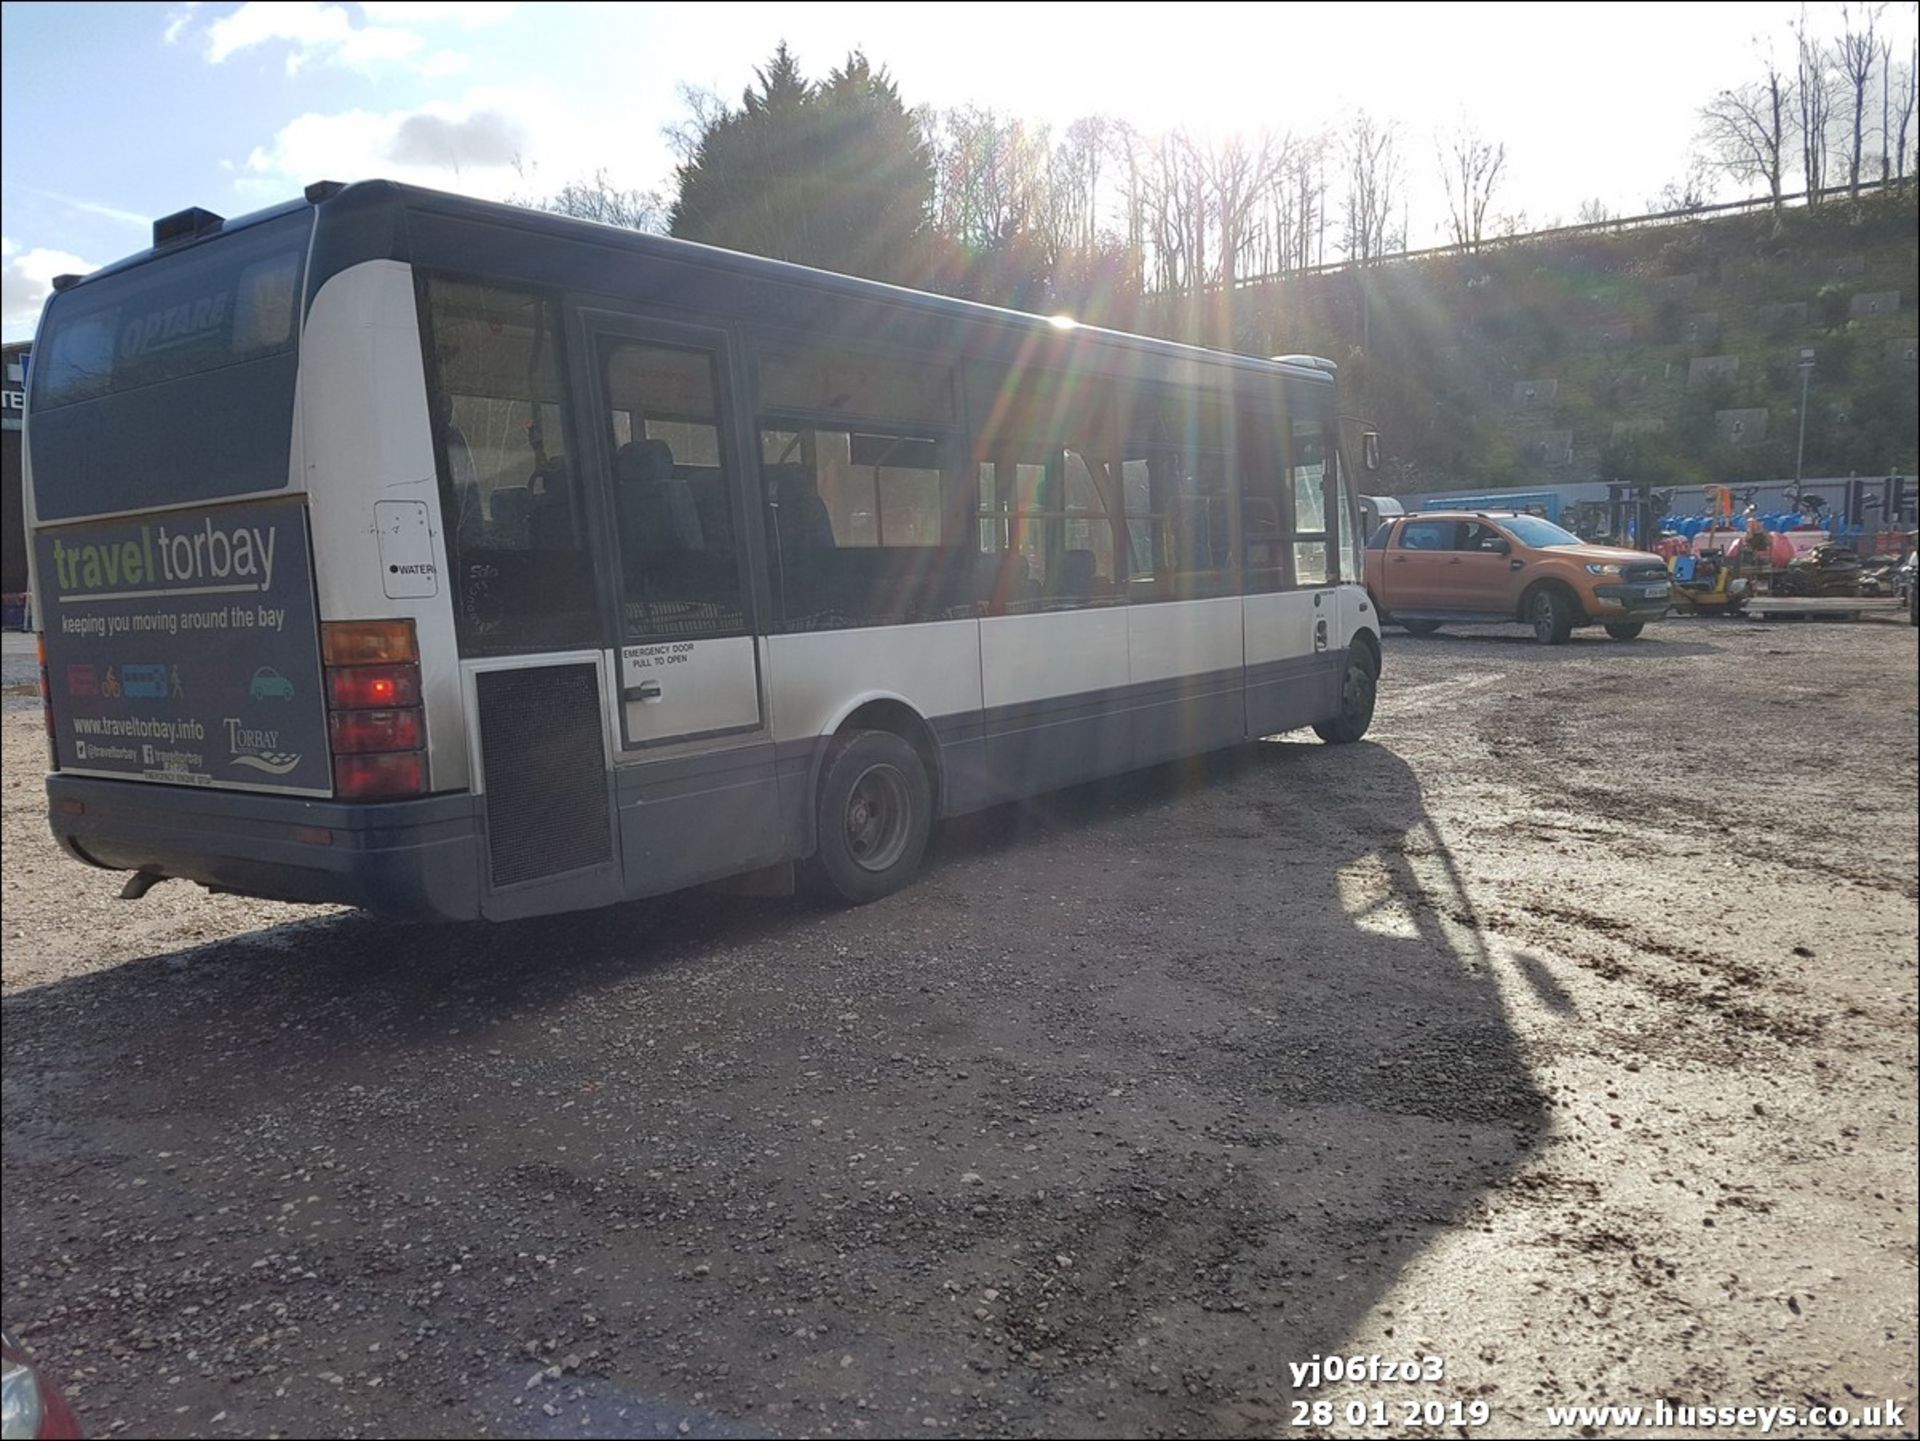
<point x="1625" y="629"/>
<point x="876" y="808"/>
<point x="1356" y="702"/>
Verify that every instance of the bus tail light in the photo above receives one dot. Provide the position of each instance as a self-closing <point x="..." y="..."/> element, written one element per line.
<point x="368" y="642"/>
<point x="376" y="727"/>
<point x="357" y="731"/>
<point x="380" y="777"/>
<point x="370" y="687"/>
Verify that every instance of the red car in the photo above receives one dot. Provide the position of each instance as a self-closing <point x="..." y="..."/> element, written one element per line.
<point x="30" y="1409"/>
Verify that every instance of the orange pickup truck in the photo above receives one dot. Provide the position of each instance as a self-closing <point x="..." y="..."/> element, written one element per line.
<point x="1432" y="567"/>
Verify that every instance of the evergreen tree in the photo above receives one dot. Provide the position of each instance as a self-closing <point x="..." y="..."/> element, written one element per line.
<point x="835" y="175"/>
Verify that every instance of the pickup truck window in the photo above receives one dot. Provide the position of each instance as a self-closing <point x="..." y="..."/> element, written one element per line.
<point x="1477" y="535"/>
<point x="1427" y="535"/>
<point x="1534" y="531"/>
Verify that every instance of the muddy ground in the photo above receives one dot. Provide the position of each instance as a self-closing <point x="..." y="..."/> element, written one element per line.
<point x="1565" y="1031"/>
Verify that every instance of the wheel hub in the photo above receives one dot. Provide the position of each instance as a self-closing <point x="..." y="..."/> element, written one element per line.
<point x="878" y="818"/>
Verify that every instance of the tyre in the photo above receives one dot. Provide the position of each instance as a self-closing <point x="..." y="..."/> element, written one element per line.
<point x="1550" y="614"/>
<point x="1625" y="629"/>
<point x="1357" y="690"/>
<point x="874" y="813"/>
<point x="1420" y="627"/>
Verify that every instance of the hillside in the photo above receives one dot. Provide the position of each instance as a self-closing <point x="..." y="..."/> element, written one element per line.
<point x="1667" y="353"/>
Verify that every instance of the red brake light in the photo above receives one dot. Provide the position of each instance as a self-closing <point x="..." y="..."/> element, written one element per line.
<point x="366" y="777"/>
<point x="375" y="726"/>
<point x="373" y="687"/>
<point x="376" y="730"/>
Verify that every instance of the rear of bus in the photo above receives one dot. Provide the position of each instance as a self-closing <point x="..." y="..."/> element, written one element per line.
<point x="247" y="658"/>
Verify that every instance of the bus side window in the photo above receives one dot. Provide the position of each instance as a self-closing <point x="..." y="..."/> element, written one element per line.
<point x="1178" y="482"/>
<point x="1312" y="557"/>
<point x="521" y="573"/>
<point x="866" y="496"/>
<point x="1265" y="485"/>
<point x="1049" y="464"/>
<point x="672" y="494"/>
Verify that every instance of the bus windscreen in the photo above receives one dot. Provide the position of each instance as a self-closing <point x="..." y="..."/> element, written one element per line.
<point x="128" y="368"/>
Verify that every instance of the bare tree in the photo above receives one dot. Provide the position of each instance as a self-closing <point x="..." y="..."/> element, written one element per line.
<point x="1904" y="96"/>
<point x="1857" y="50"/>
<point x="1303" y="183"/>
<point x="1125" y="148"/>
<point x="1470" y="167"/>
<point x="1744" y="132"/>
<point x="1813" y="105"/>
<point x="1691" y="191"/>
<point x="600" y="199"/>
<point x="1592" y="212"/>
<point x="1886" y="111"/>
<point x="990" y="177"/>
<point x="1240" y="175"/>
<point x="596" y="199"/>
<point x="1372" y="161"/>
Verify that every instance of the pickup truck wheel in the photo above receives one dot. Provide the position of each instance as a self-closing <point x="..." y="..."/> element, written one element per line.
<point x="1357" y="689"/>
<point x="1550" y="614"/>
<point x="1420" y="627"/>
<point x="1625" y="629"/>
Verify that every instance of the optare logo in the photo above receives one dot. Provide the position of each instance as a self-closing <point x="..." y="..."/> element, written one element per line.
<point x="174" y="326"/>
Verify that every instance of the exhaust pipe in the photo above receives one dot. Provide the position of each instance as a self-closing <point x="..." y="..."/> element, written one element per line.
<point x="139" y="883"/>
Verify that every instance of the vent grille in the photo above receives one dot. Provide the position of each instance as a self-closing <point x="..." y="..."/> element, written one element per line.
<point x="545" y="772"/>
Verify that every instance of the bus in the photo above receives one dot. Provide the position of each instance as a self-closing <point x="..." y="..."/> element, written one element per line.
<point x="457" y="560"/>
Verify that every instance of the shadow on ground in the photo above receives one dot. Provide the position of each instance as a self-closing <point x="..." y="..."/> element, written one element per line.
<point x="1147" y="1088"/>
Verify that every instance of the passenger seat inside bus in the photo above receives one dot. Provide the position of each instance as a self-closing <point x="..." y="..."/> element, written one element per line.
<point x="804" y="522"/>
<point x="550" y="525"/>
<point x="512" y="504"/>
<point x="656" y="511"/>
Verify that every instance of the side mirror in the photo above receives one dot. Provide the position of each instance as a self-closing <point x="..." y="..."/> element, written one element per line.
<point x="1370" y="450"/>
<point x="1500" y="545"/>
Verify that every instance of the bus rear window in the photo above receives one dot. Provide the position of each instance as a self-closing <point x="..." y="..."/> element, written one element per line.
<point x="219" y="303"/>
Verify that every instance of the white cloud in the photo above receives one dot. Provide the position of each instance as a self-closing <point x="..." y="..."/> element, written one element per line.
<point x="432" y="12"/>
<point x="492" y="143"/>
<point x="442" y="63"/>
<point x="178" y="19"/>
<point x="315" y="32"/>
<point x="89" y="207"/>
<point x="26" y="280"/>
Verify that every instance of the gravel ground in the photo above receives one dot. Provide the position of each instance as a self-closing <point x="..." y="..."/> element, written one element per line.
<point x="1565" y="1031"/>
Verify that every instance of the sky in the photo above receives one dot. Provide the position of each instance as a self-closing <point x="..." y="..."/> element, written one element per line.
<point x="116" y="113"/>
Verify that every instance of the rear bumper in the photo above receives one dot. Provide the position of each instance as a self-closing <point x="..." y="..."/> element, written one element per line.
<point x="417" y="858"/>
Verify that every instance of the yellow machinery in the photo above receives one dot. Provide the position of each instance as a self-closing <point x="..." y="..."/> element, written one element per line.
<point x="1707" y="581"/>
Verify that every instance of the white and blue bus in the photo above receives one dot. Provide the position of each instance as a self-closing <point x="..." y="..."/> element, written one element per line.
<point x="453" y="559"/>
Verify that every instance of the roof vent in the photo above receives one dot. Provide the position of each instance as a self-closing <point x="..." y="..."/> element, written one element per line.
<point x="185" y="225"/>
<point x="322" y="191"/>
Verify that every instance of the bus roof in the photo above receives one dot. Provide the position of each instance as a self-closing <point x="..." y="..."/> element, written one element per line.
<point x="356" y="208"/>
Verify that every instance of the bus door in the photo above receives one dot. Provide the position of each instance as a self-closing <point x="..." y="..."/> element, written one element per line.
<point x="1290" y="568"/>
<point x="693" y="751"/>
